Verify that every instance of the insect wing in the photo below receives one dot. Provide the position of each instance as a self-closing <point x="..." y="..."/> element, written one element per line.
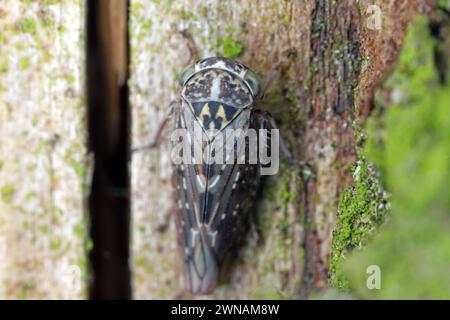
<point x="213" y="198"/>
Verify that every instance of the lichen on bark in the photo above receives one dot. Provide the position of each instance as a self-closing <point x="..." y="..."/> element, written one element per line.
<point x="362" y="208"/>
<point x="42" y="150"/>
<point x="308" y="217"/>
<point x="412" y="250"/>
<point x="317" y="97"/>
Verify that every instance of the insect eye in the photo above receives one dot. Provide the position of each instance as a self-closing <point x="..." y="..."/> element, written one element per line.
<point x="253" y="81"/>
<point x="187" y="74"/>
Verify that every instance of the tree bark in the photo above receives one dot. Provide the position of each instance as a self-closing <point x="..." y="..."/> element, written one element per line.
<point x="42" y="150"/>
<point x="319" y="99"/>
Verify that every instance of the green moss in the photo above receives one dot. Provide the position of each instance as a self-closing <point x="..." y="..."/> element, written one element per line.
<point x="25" y="288"/>
<point x="4" y="67"/>
<point x="140" y="261"/>
<point x="55" y="244"/>
<point x="35" y="120"/>
<point x="76" y="165"/>
<point x="70" y="79"/>
<point x="444" y="4"/>
<point x="361" y="7"/>
<point x="7" y="193"/>
<point x="89" y="245"/>
<point x="263" y="293"/>
<point x="286" y="195"/>
<point x="44" y="229"/>
<point x="413" y="249"/>
<point x="230" y="47"/>
<point x="186" y="15"/>
<point x="29" y="195"/>
<point x="80" y="231"/>
<point x="360" y="136"/>
<point x="24" y="63"/>
<point x="27" y="25"/>
<point x="285" y="18"/>
<point x="135" y="7"/>
<point x="361" y="209"/>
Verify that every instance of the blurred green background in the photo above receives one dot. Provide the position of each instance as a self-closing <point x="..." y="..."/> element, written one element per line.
<point x="409" y="142"/>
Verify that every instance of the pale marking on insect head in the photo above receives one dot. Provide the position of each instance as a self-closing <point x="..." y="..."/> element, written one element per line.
<point x="222" y="217"/>
<point x="221" y="113"/>
<point x="234" y="212"/>
<point x="205" y="113"/>
<point x="234" y="186"/>
<point x="215" y="89"/>
<point x="220" y="64"/>
<point x="187" y="205"/>
<point x="184" y="183"/>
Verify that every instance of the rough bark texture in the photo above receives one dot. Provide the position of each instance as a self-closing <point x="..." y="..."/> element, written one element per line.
<point x="42" y="149"/>
<point x="319" y="99"/>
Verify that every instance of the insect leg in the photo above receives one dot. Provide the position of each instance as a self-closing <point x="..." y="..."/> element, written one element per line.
<point x="266" y="121"/>
<point x="159" y="133"/>
<point x="193" y="51"/>
<point x="265" y="117"/>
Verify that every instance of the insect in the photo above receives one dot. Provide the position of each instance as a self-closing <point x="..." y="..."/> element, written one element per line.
<point x="214" y="199"/>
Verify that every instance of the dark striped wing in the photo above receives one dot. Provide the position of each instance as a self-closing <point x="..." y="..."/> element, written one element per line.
<point x="213" y="201"/>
